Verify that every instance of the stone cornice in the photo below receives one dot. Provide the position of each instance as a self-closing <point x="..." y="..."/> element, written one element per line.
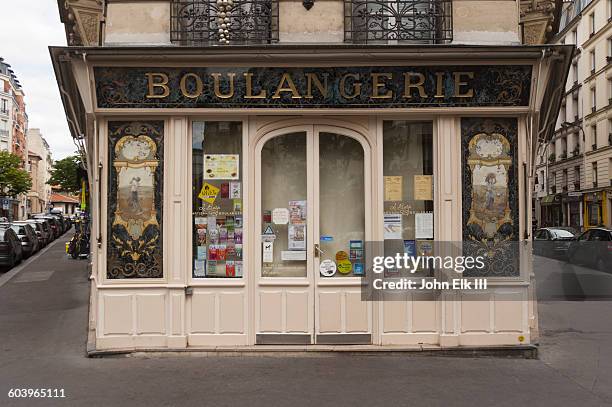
<point x="540" y="20"/>
<point x="82" y="19"/>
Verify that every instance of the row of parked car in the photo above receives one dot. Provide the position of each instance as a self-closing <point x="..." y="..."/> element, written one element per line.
<point x="21" y="239"/>
<point x="592" y="247"/>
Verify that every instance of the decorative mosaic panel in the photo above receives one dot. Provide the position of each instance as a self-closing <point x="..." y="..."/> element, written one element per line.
<point x="490" y="195"/>
<point x="135" y="199"/>
<point x="313" y="87"/>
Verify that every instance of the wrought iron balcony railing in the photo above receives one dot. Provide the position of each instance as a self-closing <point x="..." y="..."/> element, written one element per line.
<point x="401" y="21"/>
<point x="197" y="22"/>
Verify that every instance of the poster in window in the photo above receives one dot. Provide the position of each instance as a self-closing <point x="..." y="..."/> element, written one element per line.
<point x="221" y="166"/>
<point x="423" y="188"/>
<point x="393" y="188"/>
<point x="297" y="237"/>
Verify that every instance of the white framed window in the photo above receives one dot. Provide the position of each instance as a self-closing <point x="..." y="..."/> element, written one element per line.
<point x="592" y="60"/>
<point x="592" y="23"/>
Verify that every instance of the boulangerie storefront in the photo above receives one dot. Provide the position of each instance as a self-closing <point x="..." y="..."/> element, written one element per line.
<point x="236" y="189"/>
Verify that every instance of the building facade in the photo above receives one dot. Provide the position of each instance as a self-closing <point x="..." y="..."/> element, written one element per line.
<point x="40" y="165"/>
<point x="13" y="130"/>
<point x="575" y="168"/>
<point x="243" y="154"/>
<point x="64" y="202"/>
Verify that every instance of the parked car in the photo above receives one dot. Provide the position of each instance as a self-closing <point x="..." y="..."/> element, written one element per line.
<point x="53" y="222"/>
<point x="552" y="242"/>
<point x="593" y="248"/>
<point x="27" y="236"/>
<point x="43" y="230"/>
<point x="10" y="247"/>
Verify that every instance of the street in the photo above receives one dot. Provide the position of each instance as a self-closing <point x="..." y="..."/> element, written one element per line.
<point x="43" y="314"/>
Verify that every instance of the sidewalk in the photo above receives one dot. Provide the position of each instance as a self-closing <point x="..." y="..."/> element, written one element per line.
<point x="43" y="317"/>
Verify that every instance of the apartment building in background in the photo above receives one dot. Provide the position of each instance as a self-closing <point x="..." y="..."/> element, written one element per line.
<point x="574" y="169"/>
<point x="13" y="131"/>
<point x="40" y="164"/>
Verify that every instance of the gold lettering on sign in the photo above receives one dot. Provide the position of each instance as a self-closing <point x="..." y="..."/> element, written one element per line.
<point x="198" y="82"/>
<point x="217" y="86"/>
<point x="458" y="84"/>
<point x="408" y="85"/>
<point x="249" y="88"/>
<point x="356" y="86"/>
<point x="376" y="85"/>
<point x="439" y="85"/>
<point x="291" y="87"/>
<point x="313" y="78"/>
<point x="152" y="84"/>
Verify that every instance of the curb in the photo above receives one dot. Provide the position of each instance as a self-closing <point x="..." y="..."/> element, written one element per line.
<point x="499" y="352"/>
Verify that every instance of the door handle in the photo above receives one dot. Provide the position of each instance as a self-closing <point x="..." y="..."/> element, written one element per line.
<point x="317" y="250"/>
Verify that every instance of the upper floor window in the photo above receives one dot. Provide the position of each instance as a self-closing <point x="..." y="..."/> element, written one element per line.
<point x="223" y="22"/>
<point x="592" y="23"/>
<point x="398" y="21"/>
<point x="575" y="37"/>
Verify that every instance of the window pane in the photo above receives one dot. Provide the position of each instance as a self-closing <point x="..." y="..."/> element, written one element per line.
<point x="217" y="199"/>
<point x="283" y="187"/>
<point x="408" y="188"/>
<point x="341" y="203"/>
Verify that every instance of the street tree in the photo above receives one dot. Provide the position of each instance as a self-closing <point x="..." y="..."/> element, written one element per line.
<point x="66" y="174"/>
<point x="13" y="179"/>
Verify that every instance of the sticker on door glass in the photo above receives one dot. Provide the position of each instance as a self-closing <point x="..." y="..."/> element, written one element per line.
<point x="268" y="252"/>
<point x="355" y="249"/>
<point x="327" y="268"/>
<point x="341" y="255"/>
<point x="208" y="193"/>
<point x="280" y="216"/>
<point x="345" y="267"/>
<point x="358" y="269"/>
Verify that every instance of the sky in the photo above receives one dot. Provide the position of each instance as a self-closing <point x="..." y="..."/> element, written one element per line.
<point x="32" y="26"/>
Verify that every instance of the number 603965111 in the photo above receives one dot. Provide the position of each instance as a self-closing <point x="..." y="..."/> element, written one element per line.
<point x="36" y="393"/>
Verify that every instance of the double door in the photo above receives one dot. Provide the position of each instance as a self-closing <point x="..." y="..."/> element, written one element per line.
<point x="313" y="200"/>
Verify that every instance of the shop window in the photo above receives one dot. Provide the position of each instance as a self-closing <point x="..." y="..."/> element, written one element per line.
<point x="284" y="187"/>
<point x="408" y="188"/>
<point x="594" y="209"/>
<point x="217" y="199"/>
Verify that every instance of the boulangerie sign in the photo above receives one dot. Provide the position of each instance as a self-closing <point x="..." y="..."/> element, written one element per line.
<point x="313" y="87"/>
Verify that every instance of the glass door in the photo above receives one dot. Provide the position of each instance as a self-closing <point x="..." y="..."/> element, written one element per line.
<point x="312" y="205"/>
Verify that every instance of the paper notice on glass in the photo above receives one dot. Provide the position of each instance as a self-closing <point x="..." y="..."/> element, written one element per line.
<point x="291" y="255"/>
<point x="423" y="225"/>
<point x="393" y="188"/>
<point x="280" y="216"/>
<point x="393" y="226"/>
<point x="221" y="166"/>
<point x="297" y="237"/>
<point x="297" y="212"/>
<point x="423" y="188"/>
<point x="268" y="252"/>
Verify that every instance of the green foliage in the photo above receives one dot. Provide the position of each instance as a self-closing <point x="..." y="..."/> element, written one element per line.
<point x="66" y="174"/>
<point x="13" y="179"/>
